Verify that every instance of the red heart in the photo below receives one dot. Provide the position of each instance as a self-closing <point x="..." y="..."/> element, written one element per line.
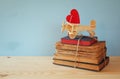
<point x="73" y="17"/>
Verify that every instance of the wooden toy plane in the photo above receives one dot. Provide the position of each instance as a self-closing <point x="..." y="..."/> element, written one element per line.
<point x="73" y="26"/>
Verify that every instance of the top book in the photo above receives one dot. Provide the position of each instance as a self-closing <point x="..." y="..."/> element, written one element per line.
<point x="83" y="40"/>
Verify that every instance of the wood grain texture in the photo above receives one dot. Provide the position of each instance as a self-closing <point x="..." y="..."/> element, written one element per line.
<point x="38" y="67"/>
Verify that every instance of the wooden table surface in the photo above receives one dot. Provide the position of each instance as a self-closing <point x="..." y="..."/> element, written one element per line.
<point x="41" y="67"/>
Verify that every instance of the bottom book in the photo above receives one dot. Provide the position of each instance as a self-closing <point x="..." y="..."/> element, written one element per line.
<point x="87" y="66"/>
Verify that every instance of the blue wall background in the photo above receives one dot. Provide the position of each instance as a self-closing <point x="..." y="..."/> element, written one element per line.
<point x="31" y="27"/>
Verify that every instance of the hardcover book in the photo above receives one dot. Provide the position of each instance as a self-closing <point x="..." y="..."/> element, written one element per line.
<point x="87" y="66"/>
<point x="79" y="58"/>
<point x="81" y="53"/>
<point x="83" y="40"/>
<point x="98" y="46"/>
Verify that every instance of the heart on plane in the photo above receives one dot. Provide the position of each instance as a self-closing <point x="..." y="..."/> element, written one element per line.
<point x="73" y="17"/>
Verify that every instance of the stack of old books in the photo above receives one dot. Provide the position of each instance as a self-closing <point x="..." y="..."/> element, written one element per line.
<point x="82" y="52"/>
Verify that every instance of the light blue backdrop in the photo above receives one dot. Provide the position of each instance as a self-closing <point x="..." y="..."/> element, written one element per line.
<point x="31" y="27"/>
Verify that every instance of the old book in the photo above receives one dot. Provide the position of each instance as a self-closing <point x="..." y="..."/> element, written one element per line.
<point x="81" y="53"/>
<point x="83" y="40"/>
<point x="94" y="67"/>
<point x="100" y="45"/>
<point x="79" y="58"/>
